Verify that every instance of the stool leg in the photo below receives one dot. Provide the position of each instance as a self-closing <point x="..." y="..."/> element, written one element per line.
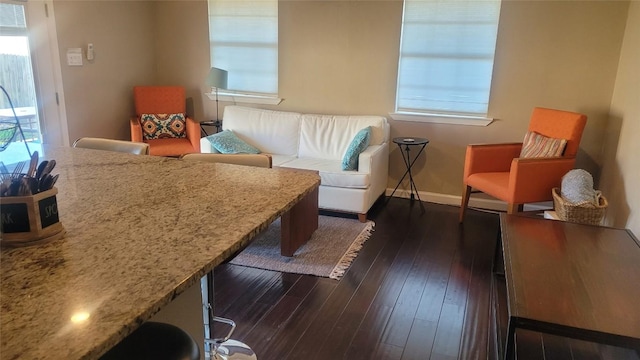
<point x="223" y="348"/>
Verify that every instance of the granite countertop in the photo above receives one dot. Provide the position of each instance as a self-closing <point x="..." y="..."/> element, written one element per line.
<point x="139" y="231"/>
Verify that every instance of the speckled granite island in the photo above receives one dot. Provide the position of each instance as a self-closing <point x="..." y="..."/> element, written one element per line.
<point x="140" y="230"/>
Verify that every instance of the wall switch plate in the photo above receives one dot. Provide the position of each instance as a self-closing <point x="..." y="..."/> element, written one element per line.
<point x="74" y="57"/>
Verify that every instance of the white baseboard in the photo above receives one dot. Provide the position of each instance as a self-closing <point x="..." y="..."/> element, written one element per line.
<point x="474" y="202"/>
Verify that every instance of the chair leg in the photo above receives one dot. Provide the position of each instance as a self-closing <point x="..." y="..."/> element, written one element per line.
<point x="514" y="208"/>
<point x="466" y="193"/>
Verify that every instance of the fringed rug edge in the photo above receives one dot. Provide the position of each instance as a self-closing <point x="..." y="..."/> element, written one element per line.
<point x="352" y="252"/>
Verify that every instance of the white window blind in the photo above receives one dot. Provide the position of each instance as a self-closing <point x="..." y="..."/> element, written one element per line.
<point x="446" y="56"/>
<point x="244" y="41"/>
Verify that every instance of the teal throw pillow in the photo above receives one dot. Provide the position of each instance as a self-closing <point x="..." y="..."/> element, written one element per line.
<point x="227" y="142"/>
<point x="359" y="143"/>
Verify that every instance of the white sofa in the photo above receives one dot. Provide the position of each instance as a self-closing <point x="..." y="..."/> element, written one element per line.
<point x="318" y="142"/>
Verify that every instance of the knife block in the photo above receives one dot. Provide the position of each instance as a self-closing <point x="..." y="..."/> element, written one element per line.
<point x="30" y="220"/>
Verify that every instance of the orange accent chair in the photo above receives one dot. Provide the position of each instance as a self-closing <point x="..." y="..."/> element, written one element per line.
<point x="497" y="169"/>
<point x="164" y="100"/>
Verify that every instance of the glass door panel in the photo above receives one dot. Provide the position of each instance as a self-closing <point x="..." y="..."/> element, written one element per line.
<point x="18" y="103"/>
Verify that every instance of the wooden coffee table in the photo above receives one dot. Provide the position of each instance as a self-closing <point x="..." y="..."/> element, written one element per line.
<point x="299" y="223"/>
<point x="572" y="280"/>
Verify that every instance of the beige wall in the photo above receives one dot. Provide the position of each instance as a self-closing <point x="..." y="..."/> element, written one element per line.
<point x="621" y="172"/>
<point x="341" y="57"/>
<point x="98" y="94"/>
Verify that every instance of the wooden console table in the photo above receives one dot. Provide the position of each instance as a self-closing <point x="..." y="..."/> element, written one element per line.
<point x="571" y="280"/>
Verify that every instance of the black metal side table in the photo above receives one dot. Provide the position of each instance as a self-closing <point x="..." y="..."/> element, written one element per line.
<point x="407" y="143"/>
<point x="216" y="123"/>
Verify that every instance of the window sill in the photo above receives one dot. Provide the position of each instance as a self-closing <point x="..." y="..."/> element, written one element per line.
<point x="442" y="119"/>
<point x="245" y="98"/>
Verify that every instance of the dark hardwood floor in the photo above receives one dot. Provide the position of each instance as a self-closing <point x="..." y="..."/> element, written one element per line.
<point x="419" y="289"/>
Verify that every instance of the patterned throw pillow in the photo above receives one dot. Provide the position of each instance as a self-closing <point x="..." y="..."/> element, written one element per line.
<point x="163" y="126"/>
<point x="536" y="145"/>
<point x="359" y="143"/>
<point x="227" y="142"/>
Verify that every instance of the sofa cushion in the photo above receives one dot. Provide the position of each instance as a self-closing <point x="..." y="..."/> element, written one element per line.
<point x="278" y="160"/>
<point x="331" y="173"/>
<point x="359" y="143"/>
<point x="273" y="132"/>
<point x="227" y="142"/>
<point x="536" y="145"/>
<point x="163" y="126"/>
<point x="328" y="137"/>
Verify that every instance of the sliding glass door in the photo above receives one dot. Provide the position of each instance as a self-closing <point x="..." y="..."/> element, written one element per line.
<point x="30" y="74"/>
<point x="19" y="123"/>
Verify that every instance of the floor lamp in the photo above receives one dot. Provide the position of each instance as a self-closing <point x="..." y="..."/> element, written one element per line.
<point x="217" y="79"/>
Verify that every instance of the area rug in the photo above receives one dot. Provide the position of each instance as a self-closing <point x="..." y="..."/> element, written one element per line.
<point x="329" y="253"/>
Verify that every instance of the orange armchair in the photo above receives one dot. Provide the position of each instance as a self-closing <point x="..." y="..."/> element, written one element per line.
<point x="164" y="100"/>
<point x="497" y="169"/>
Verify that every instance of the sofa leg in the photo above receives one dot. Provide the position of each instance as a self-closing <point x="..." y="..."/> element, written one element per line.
<point x="362" y="217"/>
<point x="466" y="193"/>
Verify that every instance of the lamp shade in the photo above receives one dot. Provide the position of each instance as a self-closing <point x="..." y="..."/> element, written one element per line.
<point x="217" y="78"/>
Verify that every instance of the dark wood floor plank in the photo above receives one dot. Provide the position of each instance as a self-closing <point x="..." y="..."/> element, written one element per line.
<point x="475" y="331"/>
<point x="420" y="341"/>
<point x="419" y="289"/>
<point x="278" y="316"/>
<point x="317" y="333"/>
<point x="555" y="347"/>
<point x="388" y="352"/>
<point x="246" y="281"/>
<point x="340" y="338"/>
<point x="246" y="313"/>
<point x="449" y="330"/>
<point x="364" y="343"/>
<point x="529" y="345"/>
<point x="290" y="332"/>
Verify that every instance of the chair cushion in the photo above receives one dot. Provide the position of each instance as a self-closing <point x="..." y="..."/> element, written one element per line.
<point x="537" y="145"/>
<point x="227" y="142"/>
<point x="170" y="147"/>
<point x="359" y="143"/>
<point x="163" y="126"/>
<point x="495" y="184"/>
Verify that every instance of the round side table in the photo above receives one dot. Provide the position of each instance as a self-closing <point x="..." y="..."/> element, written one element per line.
<point x="408" y="142"/>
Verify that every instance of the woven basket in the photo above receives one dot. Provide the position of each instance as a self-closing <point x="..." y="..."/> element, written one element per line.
<point x="583" y="213"/>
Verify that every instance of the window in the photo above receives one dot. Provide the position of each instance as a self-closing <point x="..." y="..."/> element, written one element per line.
<point x="244" y="41"/>
<point x="446" y="58"/>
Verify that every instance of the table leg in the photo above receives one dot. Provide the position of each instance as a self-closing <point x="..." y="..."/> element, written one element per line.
<point x="299" y="223"/>
<point x="413" y="189"/>
<point x="498" y="262"/>
<point x="412" y="184"/>
<point x="509" y="348"/>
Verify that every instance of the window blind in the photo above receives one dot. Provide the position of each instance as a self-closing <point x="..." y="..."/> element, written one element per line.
<point x="446" y="56"/>
<point x="244" y="41"/>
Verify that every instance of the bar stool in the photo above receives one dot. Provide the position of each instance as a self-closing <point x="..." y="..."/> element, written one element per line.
<point x="158" y="341"/>
<point x="223" y="348"/>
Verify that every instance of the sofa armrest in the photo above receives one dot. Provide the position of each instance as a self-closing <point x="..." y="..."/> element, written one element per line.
<point x="206" y="147"/>
<point x="136" y="130"/>
<point x="375" y="162"/>
<point x="371" y="157"/>
<point x="193" y="133"/>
